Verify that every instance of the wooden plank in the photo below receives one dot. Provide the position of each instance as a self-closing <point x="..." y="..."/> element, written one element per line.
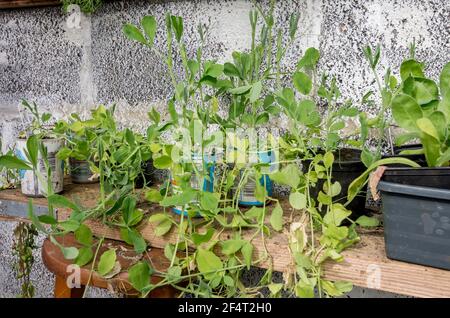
<point x="7" y="4"/>
<point x="365" y="264"/>
<point x="277" y="246"/>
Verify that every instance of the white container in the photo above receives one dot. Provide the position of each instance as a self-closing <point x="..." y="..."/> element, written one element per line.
<point x="31" y="184"/>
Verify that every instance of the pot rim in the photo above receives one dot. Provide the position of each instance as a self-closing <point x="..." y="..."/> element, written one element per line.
<point x="417" y="191"/>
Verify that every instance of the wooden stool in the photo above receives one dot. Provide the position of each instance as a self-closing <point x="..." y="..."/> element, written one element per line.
<point x="57" y="264"/>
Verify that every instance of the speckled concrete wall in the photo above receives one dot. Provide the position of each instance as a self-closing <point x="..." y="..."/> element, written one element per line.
<point x="44" y="58"/>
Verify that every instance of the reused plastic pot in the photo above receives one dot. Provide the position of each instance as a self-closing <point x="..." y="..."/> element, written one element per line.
<point x="31" y="185"/>
<point x="81" y="173"/>
<point x="207" y="163"/>
<point x="346" y="168"/>
<point x="416" y="223"/>
<point x="246" y="195"/>
<point x="438" y="177"/>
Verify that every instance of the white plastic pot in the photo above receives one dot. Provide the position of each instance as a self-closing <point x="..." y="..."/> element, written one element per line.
<point x="31" y="184"/>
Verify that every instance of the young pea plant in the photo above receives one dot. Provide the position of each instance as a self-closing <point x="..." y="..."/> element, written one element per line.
<point x="39" y="125"/>
<point x="422" y="110"/>
<point x="419" y="106"/>
<point x="8" y="177"/>
<point x="251" y="74"/>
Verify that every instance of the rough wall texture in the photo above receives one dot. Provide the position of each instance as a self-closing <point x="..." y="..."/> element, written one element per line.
<point x="45" y="57"/>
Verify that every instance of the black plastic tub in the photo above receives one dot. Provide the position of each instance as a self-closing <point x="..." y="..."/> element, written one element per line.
<point x="148" y="171"/>
<point x="423" y="177"/>
<point x="416" y="223"/>
<point x="346" y="168"/>
<point x="418" y="158"/>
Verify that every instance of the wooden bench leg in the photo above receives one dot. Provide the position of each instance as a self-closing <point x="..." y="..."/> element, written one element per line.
<point x="63" y="291"/>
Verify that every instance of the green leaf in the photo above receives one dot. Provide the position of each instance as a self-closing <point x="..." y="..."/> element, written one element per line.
<point x="309" y="59"/>
<point x="84" y="235"/>
<point x="304" y="290"/>
<point x="288" y="175"/>
<point x="426" y="126"/>
<point x="247" y="252"/>
<point x="134" y="217"/>
<point x="153" y="195"/>
<point x="149" y="25"/>
<point x="337" y="288"/>
<point x="230" y="247"/>
<point x="198" y="238"/>
<point x="180" y="199"/>
<point x="254" y="212"/>
<point x="47" y="219"/>
<point x="85" y="255"/>
<point x="174" y="272"/>
<point x="302" y="82"/>
<point x="70" y="225"/>
<point x="162" y="162"/>
<point x="139" y="275"/>
<point x="163" y="227"/>
<point x="336" y="215"/>
<point x="411" y="68"/>
<point x="366" y="221"/>
<point x="262" y="118"/>
<point x="334" y="190"/>
<point x="276" y="218"/>
<point x="240" y="90"/>
<point x="231" y="70"/>
<point x="208" y="264"/>
<point x="337" y="126"/>
<point x="406" y="111"/>
<point x="297" y="200"/>
<point x="107" y="262"/>
<point x="328" y="159"/>
<point x="140" y="246"/>
<point x="404" y="138"/>
<point x="177" y="24"/>
<point x="34" y="219"/>
<point x="214" y="70"/>
<point x="275" y="288"/>
<point x="423" y="90"/>
<point x="64" y="153"/>
<point x="172" y="111"/>
<point x="158" y="217"/>
<point x="444" y="159"/>
<point x="308" y="113"/>
<point x="255" y="91"/>
<point x="12" y="162"/>
<point x="432" y="148"/>
<point x="303" y="260"/>
<point x="228" y="281"/>
<point x="324" y="198"/>
<point x="68" y="252"/>
<point x="129" y="137"/>
<point x="357" y="184"/>
<point x="209" y="201"/>
<point x="33" y="149"/>
<point x="440" y="123"/>
<point x="62" y="202"/>
<point x="444" y="80"/>
<point x="133" y="33"/>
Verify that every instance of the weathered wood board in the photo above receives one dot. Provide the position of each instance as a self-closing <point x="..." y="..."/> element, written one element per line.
<point x="6" y="4"/>
<point x="365" y="264"/>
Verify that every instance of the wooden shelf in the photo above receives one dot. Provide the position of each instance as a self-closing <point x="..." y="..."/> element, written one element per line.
<point x="365" y="264"/>
<point x="6" y="4"/>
